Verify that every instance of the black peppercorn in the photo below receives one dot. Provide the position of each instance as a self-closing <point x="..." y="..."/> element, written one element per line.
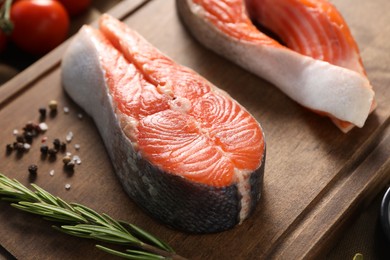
<point x="28" y="136"/>
<point x="42" y="112"/>
<point x="57" y="143"/>
<point x="20" y="139"/>
<point x="52" y="152"/>
<point x="33" y="169"/>
<point x="70" y="165"/>
<point x="9" y="148"/>
<point x="63" y="147"/>
<point x="28" y="127"/>
<point x="44" y="149"/>
<point x="19" y="147"/>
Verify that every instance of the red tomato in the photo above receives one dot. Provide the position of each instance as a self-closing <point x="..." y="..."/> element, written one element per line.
<point x="75" y="7"/>
<point x="39" y="25"/>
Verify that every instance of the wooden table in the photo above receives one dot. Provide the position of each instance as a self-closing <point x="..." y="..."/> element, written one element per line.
<point x="316" y="180"/>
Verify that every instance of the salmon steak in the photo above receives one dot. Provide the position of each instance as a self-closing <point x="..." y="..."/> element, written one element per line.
<point x="183" y="149"/>
<point x="315" y="59"/>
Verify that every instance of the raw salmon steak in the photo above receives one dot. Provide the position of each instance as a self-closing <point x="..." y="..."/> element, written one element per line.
<point x="183" y="149"/>
<point x="318" y="65"/>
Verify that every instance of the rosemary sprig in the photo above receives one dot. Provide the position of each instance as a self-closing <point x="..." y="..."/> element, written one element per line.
<point x="78" y="220"/>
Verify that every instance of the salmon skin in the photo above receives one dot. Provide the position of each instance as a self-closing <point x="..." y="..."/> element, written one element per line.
<point x="319" y="65"/>
<point x="184" y="150"/>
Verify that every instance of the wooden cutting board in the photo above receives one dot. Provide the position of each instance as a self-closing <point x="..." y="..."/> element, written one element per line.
<point x="316" y="177"/>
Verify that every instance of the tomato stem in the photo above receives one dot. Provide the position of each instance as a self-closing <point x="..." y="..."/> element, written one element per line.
<point x="6" y="25"/>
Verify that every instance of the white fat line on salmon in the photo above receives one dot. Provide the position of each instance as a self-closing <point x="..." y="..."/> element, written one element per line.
<point x="244" y="189"/>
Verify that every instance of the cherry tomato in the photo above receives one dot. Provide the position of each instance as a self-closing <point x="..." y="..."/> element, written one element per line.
<point x="39" y="25"/>
<point x="75" y="7"/>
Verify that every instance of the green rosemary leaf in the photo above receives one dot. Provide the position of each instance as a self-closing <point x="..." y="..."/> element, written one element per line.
<point x="44" y="195"/>
<point x="71" y="232"/>
<point x="91" y="215"/>
<point x="108" y="232"/>
<point x="115" y="223"/>
<point x="28" y="209"/>
<point x="64" y="204"/>
<point x="131" y="254"/>
<point x="110" y="239"/>
<point x="19" y="188"/>
<point x="148" y="238"/>
<point x="54" y="211"/>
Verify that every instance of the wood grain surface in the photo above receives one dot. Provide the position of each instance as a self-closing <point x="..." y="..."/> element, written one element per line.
<point x="316" y="178"/>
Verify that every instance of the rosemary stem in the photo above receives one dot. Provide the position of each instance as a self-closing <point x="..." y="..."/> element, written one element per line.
<point x="78" y="220"/>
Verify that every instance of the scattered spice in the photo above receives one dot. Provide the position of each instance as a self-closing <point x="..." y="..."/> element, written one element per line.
<point x="43" y="127"/>
<point x="26" y="146"/>
<point x="57" y="143"/>
<point x="19" y="147"/>
<point x="69" y="137"/>
<point x="29" y="127"/>
<point x="9" y="148"/>
<point x="67" y="186"/>
<point x="70" y="165"/>
<point x="66" y="159"/>
<point x="28" y="136"/>
<point x="44" y="149"/>
<point x="76" y="159"/>
<point x="33" y="169"/>
<point x="53" y="105"/>
<point x="42" y="112"/>
<point x="23" y="141"/>
<point x="20" y="139"/>
<point x="63" y="147"/>
<point x="52" y="152"/>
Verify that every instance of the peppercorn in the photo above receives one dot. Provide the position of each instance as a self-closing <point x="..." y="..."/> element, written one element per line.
<point x="70" y="165"/>
<point x="28" y="136"/>
<point x="33" y="169"/>
<point x="20" y="139"/>
<point x="42" y="112"/>
<point x="29" y="127"/>
<point x="19" y="147"/>
<point x="8" y="148"/>
<point x="53" y="105"/>
<point x="44" y="149"/>
<point x="57" y="143"/>
<point x="66" y="159"/>
<point x="52" y="152"/>
<point x="63" y="147"/>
